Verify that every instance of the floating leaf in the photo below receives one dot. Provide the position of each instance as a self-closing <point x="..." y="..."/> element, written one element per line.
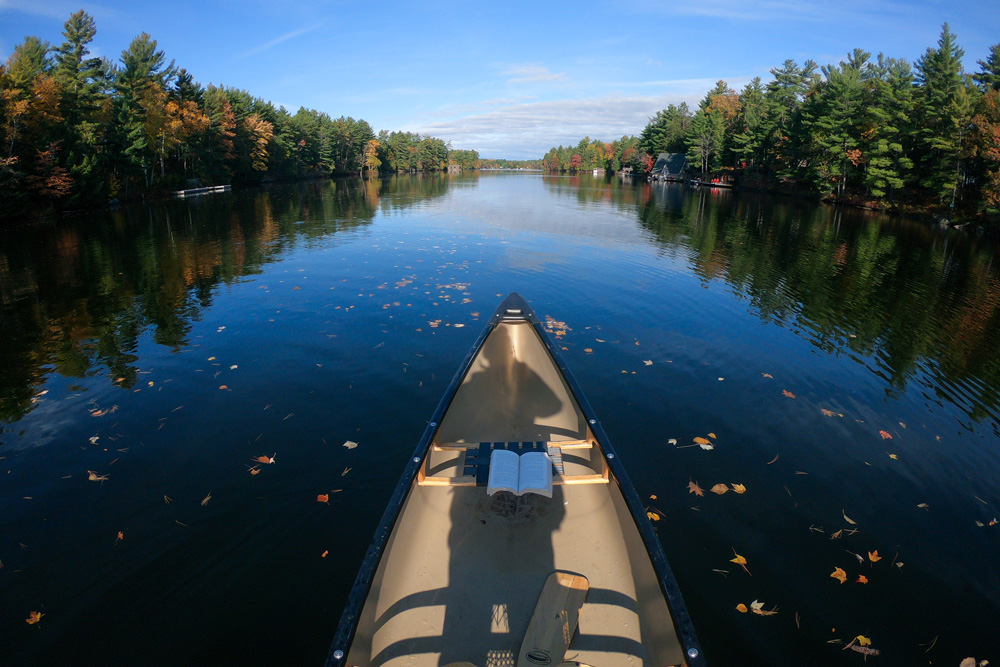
<point x="205" y="501"/>
<point x="323" y="498"/>
<point x="707" y="447"/>
<point x="712" y="436"/>
<point x="34" y="617"/>
<point x="702" y="441"/>
<point x="323" y="555"/>
<point x="885" y="435"/>
<point x="873" y="556"/>
<point x="741" y="561"/>
<point x="672" y="441"/>
<point x="742" y="608"/>
<point x="266" y="459"/>
<point x="223" y="387"/>
<point x="862" y="579"/>
<point x="719" y="489"/>
<point x="121" y="536"/>
<point x="653" y="516"/>
<point x="837" y="535"/>
<point x="350" y="444"/>
<point x="94" y="477"/>
<point x="647" y="362"/>
<point x="652" y="496"/>
<point x="923" y="506"/>
<point x="787" y="393"/>
<point x="848" y="519"/>
<point x="588" y="350"/>
<point x="863" y="641"/>
<point x="695" y="489"/>
<point x="839" y="575"/>
<point x="768" y="375"/>
<point x="830" y="413"/>
<point x="739" y="488"/>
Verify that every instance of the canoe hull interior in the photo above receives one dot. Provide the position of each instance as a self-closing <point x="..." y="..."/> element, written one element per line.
<point x="462" y="571"/>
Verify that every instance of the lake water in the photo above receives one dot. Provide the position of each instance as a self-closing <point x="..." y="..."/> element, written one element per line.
<point x="845" y="367"/>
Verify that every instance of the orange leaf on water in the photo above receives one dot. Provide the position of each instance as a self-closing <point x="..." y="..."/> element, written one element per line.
<point x="324" y="554"/>
<point x="712" y="435"/>
<point x="719" y="489"/>
<point x="862" y="579"/>
<point x="885" y="435"/>
<point x="121" y="536"/>
<point x="739" y="488"/>
<point x="323" y="498"/>
<point x="741" y="561"/>
<point x="34" y="617"/>
<point x="873" y="556"/>
<point x="839" y="575"/>
<point x="702" y="441"/>
<point x="742" y="608"/>
<point x="695" y="489"/>
<point x="787" y="393"/>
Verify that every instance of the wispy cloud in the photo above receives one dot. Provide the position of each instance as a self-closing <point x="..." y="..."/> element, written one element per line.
<point x="278" y="40"/>
<point x="778" y="10"/>
<point x="531" y="73"/>
<point x="523" y="131"/>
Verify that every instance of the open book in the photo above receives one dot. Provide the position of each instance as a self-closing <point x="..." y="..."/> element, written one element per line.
<point x="527" y="473"/>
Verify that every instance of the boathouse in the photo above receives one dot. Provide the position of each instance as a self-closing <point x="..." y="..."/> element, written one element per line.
<point x="670" y="167"/>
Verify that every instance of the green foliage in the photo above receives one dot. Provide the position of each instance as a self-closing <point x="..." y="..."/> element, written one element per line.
<point x="79" y="129"/>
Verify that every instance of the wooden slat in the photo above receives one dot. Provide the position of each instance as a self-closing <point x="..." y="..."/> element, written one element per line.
<point x="462" y="446"/>
<point x="554" y="621"/>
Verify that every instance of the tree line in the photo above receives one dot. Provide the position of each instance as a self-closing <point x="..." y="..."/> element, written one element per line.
<point x="77" y="130"/>
<point x="880" y="132"/>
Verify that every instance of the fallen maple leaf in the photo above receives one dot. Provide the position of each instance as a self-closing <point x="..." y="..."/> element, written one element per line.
<point x="653" y="516"/>
<point x="787" y="393"/>
<point x="719" y="489"/>
<point x="695" y="489"/>
<point x="873" y="556"/>
<point x="885" y="435"/>
<point x="739" y="488"/>
<point x="323" y="498"/>
<point x="862" y="579"/>
<point x="266" y="459"/>
<point x="121" y="536"/>
<point x="839" y="575"/>
<point x="34" y="617"/>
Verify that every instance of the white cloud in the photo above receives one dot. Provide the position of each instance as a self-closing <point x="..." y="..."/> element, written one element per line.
<point x="278" y="40"/>
<point x="528" y="130"/>
<point x="531" y="73"/>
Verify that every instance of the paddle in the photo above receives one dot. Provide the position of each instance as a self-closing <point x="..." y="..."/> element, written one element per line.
<point x="554" y="620"/>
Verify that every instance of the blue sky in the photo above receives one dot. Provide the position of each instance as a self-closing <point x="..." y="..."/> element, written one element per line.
<point x="509" y="79"/>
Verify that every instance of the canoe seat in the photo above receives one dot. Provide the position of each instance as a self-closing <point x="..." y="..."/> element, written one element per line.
<point x="477" y="462"/>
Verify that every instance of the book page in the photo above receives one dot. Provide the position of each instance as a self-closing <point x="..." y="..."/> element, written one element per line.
<point x="536" y="474"/>
<point x="503" y="472"/>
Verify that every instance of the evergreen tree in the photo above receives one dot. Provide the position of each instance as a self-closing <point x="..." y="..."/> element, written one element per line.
<point x="750" y="128"/>
<point x="945" y="109"/>
<point x="989" y="76"/>
<point x="887" y="126"/>
<point x="667" y="131"/>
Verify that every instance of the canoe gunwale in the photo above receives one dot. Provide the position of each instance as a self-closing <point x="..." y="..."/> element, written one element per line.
<point x="514" y="308"/>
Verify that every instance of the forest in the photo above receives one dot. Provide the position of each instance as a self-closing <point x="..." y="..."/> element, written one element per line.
<point x="78" y="131"/>
<point x="875" y="132"/>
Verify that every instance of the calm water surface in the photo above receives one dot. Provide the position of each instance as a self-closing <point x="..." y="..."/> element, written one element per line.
<point x="845" y="367"/>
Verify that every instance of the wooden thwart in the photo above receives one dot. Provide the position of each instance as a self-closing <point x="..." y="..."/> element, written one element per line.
<point x="554" y="621"/>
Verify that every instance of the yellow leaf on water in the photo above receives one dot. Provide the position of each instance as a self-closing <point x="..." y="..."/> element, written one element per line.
<point x="712" y="435"/>
<point x="741" y="561"/>
<point x="695" y="489"/>
<point x="873" y="556"/>
<point x="839" y="575"/>
<point x="864" y="641"/>
<point x="848" y="519"/>
<point x="742" y="608"/>
<point x="34" y="617"/>
<point x="653" y="516"/>
<point x="862" y="579"/>
<point x="739" y="488"/>
<point x="702" y="441"/>
<point x="719" y="489"/>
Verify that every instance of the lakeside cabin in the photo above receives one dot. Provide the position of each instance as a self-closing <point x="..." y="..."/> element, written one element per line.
<point x="671" y="167"/>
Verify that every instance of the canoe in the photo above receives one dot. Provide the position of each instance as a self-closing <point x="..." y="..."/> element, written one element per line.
<point x="455" y="576"/>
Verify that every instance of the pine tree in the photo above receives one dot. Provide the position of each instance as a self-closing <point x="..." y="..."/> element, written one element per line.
<point x="989" y="76"/>
<point x="945" y="109"/>
<point x="887" y="126"/>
